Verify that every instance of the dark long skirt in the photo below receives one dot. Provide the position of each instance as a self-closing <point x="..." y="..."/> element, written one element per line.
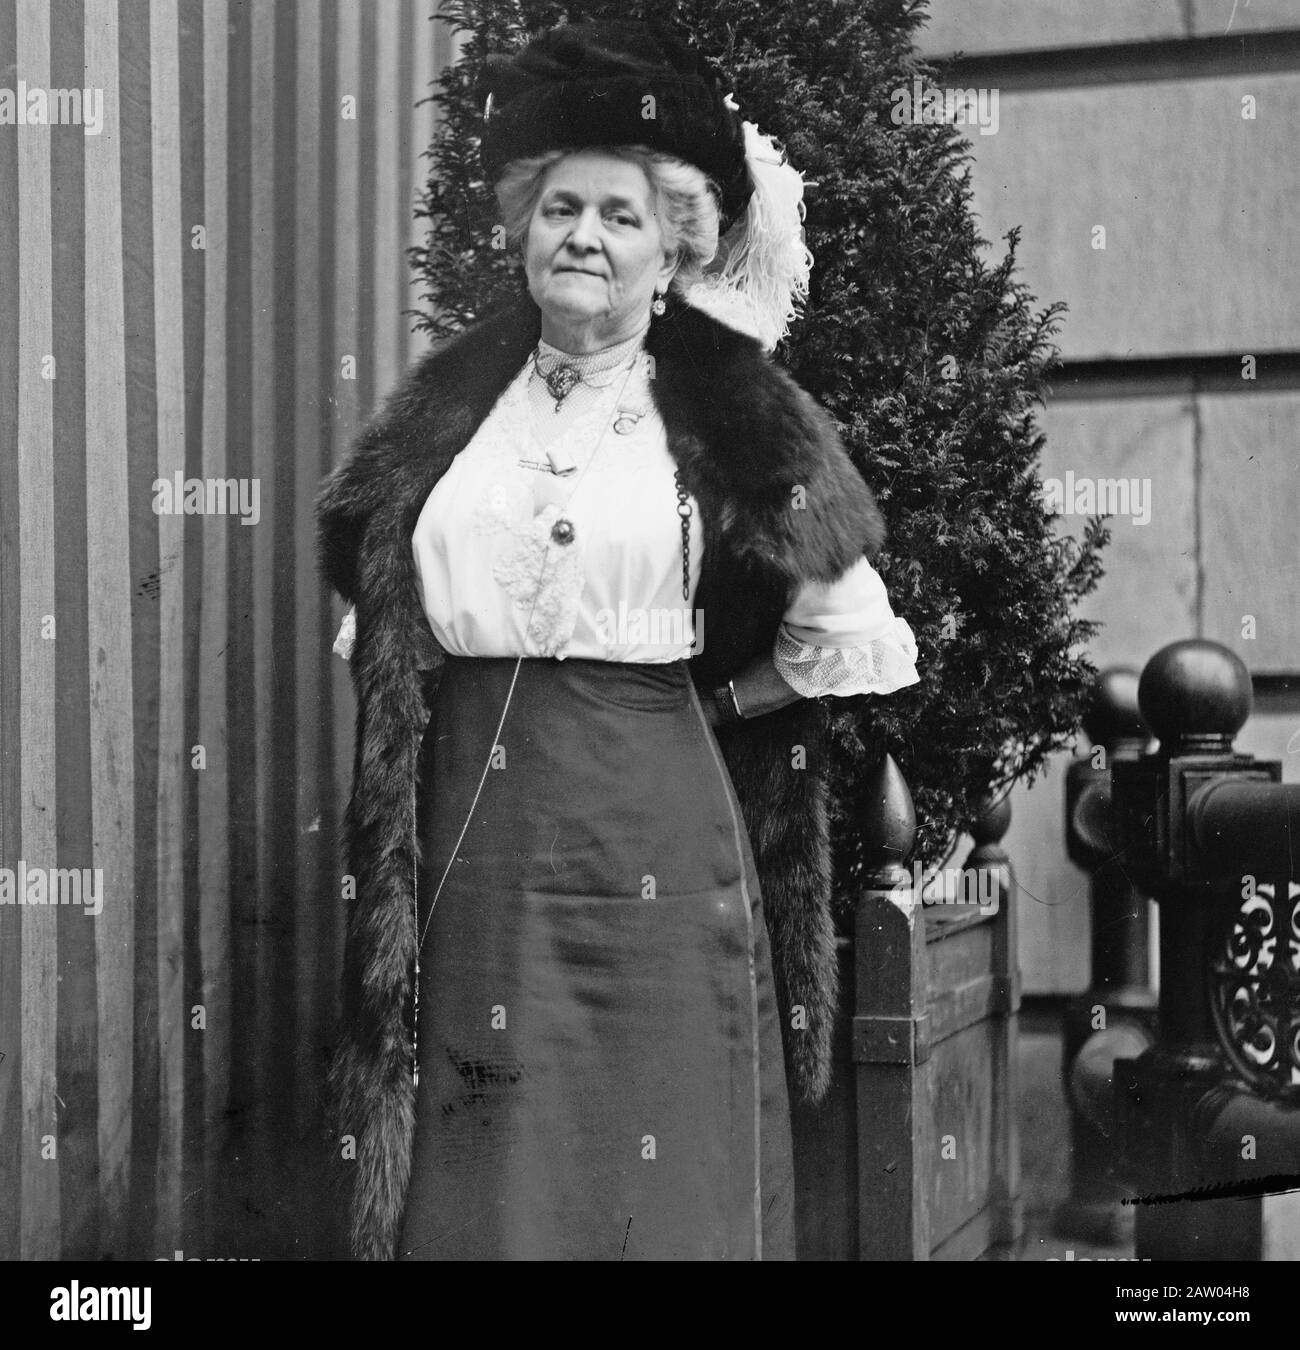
<point x="600" y="1067"/>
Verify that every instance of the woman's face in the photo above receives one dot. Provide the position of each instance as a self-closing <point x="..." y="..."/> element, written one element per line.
<point x="594" y="252"/>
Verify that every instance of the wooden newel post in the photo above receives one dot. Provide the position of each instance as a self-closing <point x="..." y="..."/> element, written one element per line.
<point x="1007" y="1224"/>
<point x="912" y="1156"/>
<point x="891" y="1033"/>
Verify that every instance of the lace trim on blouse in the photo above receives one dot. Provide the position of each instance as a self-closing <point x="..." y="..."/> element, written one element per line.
<point x="880" y="666"/>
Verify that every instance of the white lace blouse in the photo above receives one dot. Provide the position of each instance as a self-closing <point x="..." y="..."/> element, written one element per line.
<point x="555" y="533"/>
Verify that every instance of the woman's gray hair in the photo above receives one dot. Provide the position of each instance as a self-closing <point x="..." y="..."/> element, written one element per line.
<point x="685" y="202"/>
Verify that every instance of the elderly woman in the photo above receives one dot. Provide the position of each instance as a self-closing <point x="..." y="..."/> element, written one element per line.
<point x="605" y="557"/>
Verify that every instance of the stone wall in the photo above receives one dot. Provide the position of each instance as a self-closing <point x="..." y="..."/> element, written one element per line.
<point x="1147" y="151"/>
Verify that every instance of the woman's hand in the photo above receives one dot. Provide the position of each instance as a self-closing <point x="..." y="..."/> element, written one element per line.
<point x="759" y="689"/>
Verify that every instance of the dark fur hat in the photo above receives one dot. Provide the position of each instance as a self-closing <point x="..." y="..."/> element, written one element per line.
<point x="614" y="83"/>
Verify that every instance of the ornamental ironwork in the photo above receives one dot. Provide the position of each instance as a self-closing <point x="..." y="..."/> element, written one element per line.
<point x="1254" y="977"/>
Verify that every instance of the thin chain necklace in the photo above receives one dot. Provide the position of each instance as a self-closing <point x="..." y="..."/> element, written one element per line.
<point x="563" y="533"/>
<point x="559" y="459"/>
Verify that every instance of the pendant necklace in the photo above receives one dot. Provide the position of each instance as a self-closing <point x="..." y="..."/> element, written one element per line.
<point x="566" y="375"/>
<point x="560" y="381"/>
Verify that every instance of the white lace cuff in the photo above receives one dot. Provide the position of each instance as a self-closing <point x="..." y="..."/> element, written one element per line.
<point x="880" y="666"/>
<point x="347" y="637"/>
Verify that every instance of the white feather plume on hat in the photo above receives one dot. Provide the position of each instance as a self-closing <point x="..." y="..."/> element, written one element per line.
<point x="764" y="263"/>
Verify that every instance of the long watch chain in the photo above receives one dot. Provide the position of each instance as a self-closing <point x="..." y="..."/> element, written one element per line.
<point x="684" y="514"/>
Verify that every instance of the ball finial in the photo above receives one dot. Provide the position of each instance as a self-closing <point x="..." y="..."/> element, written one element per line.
<point x="993" y="820"/>
<point x="1195" y="695"/>
<point x="1113" y="716"/>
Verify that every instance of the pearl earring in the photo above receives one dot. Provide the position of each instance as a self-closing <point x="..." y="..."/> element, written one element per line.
<point x="657" y="306"/>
